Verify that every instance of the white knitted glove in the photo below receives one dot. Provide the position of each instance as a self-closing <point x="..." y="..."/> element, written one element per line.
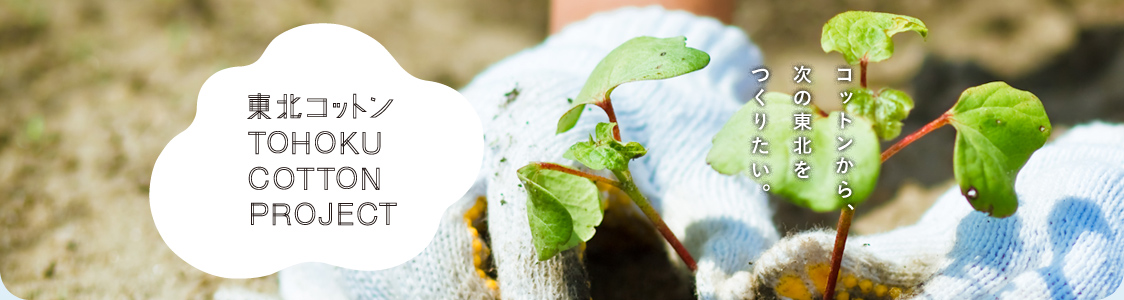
<point x="1065" y="242"/>
<point x="728" y="217"/>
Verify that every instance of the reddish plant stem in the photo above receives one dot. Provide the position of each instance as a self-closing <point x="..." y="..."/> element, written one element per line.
<point x="607" y="105"/>
<point x="820" y="111"/>
<point x="841" y="231"/>
<point x="626" y="184"/>
<point x="629" y="188"/>
<point x="845" y="216"/>
<point x="862" y="72"/>
<point x="941" y="121"/>
<point x="595" y="178"/>
<point x="843" y="228"/>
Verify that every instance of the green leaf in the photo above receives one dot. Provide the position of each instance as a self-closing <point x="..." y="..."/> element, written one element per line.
<point x="998" y="127"/>
<point x="886" y="109"/>
<point x="733" y="146"/>
<point x="570" y="118"/>
<point x="605" y="152"/>
<point x="859" y="34"/>
<point x="562" y="209"/>
<point x="596" y="156"/>
<point x="605" y="131"/>
<point x="641" y="58"/>
<point x="631" y="150"/>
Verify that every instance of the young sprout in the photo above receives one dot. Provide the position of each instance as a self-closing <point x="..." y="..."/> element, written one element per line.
<point x="563" y="205"/>
<point x="998" y="128"/>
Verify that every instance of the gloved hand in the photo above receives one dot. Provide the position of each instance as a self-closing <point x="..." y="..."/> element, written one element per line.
<point x="724" y="221"/>
<point x="1064" y="243"/>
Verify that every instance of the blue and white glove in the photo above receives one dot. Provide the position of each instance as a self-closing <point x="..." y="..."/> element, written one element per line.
<point x="1065" y="242"/>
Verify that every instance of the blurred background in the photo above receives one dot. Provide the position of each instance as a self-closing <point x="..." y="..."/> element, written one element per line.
<point x="91" y="91"/>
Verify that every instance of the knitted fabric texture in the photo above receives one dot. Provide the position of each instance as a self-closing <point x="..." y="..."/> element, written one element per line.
<point x="675" y="119"/>
<point x="726" y="218"/>
<point x="1064" y="243"/>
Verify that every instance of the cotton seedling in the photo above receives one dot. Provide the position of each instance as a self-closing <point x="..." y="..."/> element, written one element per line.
<point x="563" y="203"/>
<point x="998" y="128"/>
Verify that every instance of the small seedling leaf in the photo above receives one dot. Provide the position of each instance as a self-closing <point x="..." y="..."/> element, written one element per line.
<point x="886" y="109"/>
<point x="596" y="156"/>
<point x="631" y="150"/>
<point x="732" y="153"/>
<point x="605" y="152"/>
<point x="998" y="127"/>
<point x="605" y="131"/>
<point x="562" y="209"/>
<point x="641" y="58"/>
<point x="859" y="34"/>
<point x="570" y="118"/>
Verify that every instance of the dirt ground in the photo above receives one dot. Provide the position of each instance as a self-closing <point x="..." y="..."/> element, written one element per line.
<point x="91" y="91"/>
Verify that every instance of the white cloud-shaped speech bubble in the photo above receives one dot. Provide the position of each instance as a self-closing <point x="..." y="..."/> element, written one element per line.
<point x="359" y="180"/>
